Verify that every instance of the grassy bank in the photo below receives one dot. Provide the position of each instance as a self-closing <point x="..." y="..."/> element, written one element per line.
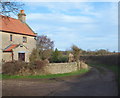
<point x="108" y="61"/>
<point x="113" y="68"/>
<point x="110" y="67"/>
<point x="80" y="72"/>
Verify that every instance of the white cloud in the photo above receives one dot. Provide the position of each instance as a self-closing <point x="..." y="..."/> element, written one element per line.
<point x="60" y="18"/>
<point x="83" y="8"/>
<point x="90" y="29"/>
<point x="70" y="0"/>
<point x="77" y="19"/>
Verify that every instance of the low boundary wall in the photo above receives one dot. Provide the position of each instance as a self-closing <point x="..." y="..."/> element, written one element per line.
<point x="56" y="68"/>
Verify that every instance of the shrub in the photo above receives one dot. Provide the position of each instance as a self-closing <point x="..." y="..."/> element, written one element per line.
<point x="39" y="64"/>
<point x="20" y="68"/>
<point x="58" y="57"/>
<point x="13" y="67"/>
<point x="34" y="55"/>
<point x="63" y="59"/>
<point x="55" y="56"/>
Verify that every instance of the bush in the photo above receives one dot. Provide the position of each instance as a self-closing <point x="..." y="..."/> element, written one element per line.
<point x="39" y="64"/>
<point x="55" y="56"/>
<point x="13" y="67"/>
<point x="34" y="55"/>
<point x="18" y="68"/>
<point x="61" y="59"/>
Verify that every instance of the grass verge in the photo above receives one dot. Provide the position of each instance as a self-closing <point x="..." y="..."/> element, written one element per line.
<point x="82" y="71"/>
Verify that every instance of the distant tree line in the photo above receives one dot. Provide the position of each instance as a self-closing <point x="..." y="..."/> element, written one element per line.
<point x="45" y="51"/>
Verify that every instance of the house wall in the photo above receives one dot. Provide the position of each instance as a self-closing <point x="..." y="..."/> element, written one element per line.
<point x="21" y="50"/>
<point x="7" y="56"/>
<point x="18" y="39"/>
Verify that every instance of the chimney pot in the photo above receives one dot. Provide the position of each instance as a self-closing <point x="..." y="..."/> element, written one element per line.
<point x="21" y="11"/>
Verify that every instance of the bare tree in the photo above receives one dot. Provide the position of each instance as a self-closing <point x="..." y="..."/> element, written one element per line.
<point x="10" y="6"/>
<point x="45" y="46"/>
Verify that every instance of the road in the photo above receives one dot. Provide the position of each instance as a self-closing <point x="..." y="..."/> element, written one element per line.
<point x="97" y="82"/>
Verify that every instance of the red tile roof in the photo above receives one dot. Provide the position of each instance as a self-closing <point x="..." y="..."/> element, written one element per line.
<point x="15" y="26"/>
<point x="9" y="48"/>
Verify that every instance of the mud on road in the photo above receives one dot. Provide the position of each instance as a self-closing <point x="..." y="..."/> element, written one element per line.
<point x="93" y="83"/>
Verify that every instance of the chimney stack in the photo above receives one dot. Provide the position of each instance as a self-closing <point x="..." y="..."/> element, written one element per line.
<point x="22" y="16"/>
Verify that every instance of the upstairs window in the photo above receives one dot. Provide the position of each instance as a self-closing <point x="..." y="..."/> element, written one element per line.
<point x="11" y="38"/>
<point x="24" y="39"/>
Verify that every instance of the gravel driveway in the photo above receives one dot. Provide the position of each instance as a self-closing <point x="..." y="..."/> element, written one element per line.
<point x="94" y="83"/>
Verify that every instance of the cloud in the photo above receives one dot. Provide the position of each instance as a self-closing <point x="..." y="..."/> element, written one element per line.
<point x="88" y="25"/>
<point x="83" y="8"/>
<point x="60" y="18"/>
<point x="70" y="1"/>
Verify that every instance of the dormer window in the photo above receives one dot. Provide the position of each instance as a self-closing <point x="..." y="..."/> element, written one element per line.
<point x="11" y="38"/>
<point x="24" y="39"/>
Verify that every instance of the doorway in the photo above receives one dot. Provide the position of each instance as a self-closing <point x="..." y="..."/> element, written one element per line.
<point x="21" y="56"/>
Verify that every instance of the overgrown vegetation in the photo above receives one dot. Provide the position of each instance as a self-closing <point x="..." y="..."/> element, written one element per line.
<point x="79" y="72"/>
<point x="76" y="52"/>
<point x="13" y="67"/>
<point x="58" y="57"/>
<point x="39" y="64"/>
<point x="22" y="68"/>
<point x="34" y="55"/>
<point x="44" y="49"/>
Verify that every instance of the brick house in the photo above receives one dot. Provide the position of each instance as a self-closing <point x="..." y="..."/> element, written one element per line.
<point x="17" y="39"/>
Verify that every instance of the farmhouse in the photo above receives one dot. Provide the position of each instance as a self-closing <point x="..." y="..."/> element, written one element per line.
<point x="17" y="39"/>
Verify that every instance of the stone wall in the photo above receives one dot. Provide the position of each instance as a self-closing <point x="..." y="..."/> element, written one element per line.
<point x="56" y="68"/>
<point x="52" y="68"/>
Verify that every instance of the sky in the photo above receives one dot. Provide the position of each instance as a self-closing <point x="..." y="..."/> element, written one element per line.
<point x="89" y="25"/>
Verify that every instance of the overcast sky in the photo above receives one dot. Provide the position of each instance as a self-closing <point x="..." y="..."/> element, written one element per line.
<point x="89" y="25"/>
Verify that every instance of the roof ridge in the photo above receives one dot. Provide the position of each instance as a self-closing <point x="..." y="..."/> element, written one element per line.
<point x="9" y="17"/>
